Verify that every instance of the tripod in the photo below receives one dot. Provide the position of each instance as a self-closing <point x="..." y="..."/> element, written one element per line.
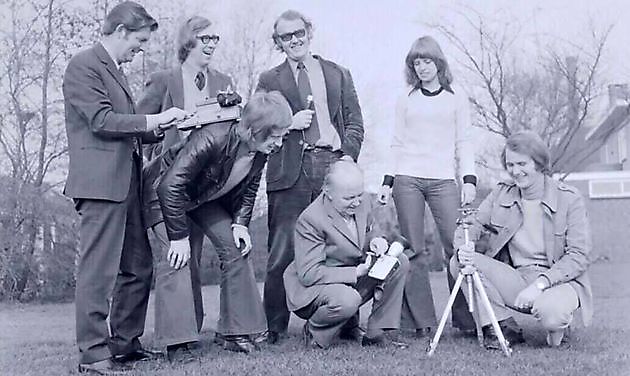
<point x="476" y="291"/>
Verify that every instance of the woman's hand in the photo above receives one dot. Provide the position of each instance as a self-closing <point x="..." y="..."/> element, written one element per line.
<point x="384" y="194"/>
<point x="469" y="192"/>
<point x="179" y="253"/>
<point x="241" y="233"/>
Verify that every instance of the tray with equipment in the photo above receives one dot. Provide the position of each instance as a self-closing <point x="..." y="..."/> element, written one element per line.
<point x="226" y="106"/>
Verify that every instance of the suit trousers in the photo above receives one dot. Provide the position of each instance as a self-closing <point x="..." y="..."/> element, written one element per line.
<point x="114" y="262"/>
<point x="240" y="309"/>
<point x="410" y="195"/>
<point x="554" y="308"/>
<point x="329" y="313"/>
<point x="178" y="300"/>
<point x="284" y="208"/>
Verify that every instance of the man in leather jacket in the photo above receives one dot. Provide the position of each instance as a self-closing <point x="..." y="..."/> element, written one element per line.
<point x="212" y="178"/>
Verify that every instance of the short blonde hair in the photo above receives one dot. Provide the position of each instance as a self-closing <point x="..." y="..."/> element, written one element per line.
<point x="529" y="143"/>
<point x="265" y="113"/>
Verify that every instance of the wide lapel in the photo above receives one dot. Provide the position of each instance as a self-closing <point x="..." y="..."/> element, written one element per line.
<point x="289" y="86"/>
<point x="339" y="223"/>
<point x="332" y="78"/>
<point x="176" y="87"/>
<point x="361" y="218"/>
<point x="549" y="205"/>
<point x="111" y="67"/>
<point x="510" y="201"/>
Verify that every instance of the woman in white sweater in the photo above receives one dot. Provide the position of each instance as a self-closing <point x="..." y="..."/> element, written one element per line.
<point x="431" y="148"/>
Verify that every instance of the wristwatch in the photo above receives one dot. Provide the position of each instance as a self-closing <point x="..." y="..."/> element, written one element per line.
<point x="540" y="285"/>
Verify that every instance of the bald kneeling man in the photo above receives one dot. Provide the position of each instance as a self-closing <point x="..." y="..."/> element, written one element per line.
<point x="328" y="282"/>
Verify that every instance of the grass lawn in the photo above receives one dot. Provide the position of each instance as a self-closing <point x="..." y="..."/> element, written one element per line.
<point x="39" y="340"/>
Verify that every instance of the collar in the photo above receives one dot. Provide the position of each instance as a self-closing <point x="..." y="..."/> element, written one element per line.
<point x="109" y="53"/>
<point x="550" y="196"/>
<point x="191" y="71"/>
<point x="309" y="62"/>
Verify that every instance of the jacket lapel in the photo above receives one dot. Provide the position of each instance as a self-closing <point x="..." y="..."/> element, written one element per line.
<point x="176" y="87"/>
<point x="332" y="78"/>
<point x="289" y="86"/>
<point x="340" y="224"/>
<point x="111" y="67"/>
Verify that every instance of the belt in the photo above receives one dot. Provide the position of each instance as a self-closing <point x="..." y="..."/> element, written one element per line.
<point x="315" y="149"/>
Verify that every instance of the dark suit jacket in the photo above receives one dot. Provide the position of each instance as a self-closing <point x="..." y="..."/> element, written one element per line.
<point x="165" y="89"/>
<point x="325" y="251"/>
<point x="345" y="113"/>
<point x="101" y="125"/>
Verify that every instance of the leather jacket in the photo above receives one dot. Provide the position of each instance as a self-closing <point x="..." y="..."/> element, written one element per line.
<point x="189" y="173"/>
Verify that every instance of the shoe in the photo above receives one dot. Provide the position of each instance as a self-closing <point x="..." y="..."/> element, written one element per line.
<point x="180" y="353"/>
<point x="273" y="337"/>
<point x="383" y="339"/>
<point x="308" y="339"/>
<point x="138" y="356"/>
<point x="238" y="344"/>
<point x="511" y="331"/>
<point x="352" y="334"/>
<point x="556" y="338"/>
<point x="423" y="332"/>
<point x="468" y="332"/>
<point x="103" y="367"/>
<point x="260" y="337"/>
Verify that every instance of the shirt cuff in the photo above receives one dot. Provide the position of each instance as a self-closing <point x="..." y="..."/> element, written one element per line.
<point x="471" y="179"/>
<point x="388" y="180"/>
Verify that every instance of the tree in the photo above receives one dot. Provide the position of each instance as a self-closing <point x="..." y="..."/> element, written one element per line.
<point x="37" y="41"/>
<point x="553" y="95"/>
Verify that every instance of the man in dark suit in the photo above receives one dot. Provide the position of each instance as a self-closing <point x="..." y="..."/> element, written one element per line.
<point x="179" y="306"/>
<point x="104" y="142"/>
<point x="327" y="125"/>
<point x="328" y="281"/>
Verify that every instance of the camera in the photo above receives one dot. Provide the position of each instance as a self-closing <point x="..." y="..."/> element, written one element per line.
<point x="225" y="107"/>
<point x="387" y="257"/>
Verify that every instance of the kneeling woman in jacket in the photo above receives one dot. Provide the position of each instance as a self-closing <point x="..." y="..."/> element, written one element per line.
<point x="212" y="180"/>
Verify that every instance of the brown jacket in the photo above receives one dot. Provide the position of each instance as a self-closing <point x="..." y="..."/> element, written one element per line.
<point x="566" y="233"/>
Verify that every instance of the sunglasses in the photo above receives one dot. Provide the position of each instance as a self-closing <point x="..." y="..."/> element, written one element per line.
<point x="286" y="37"/>
<point x="205" y="39"/>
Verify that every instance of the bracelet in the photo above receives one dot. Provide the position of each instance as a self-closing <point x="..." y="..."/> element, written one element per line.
<point x="470" y="179"/>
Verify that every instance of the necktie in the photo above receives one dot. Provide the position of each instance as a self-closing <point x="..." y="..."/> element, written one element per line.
<point x="200" y="80"/>
<point x="311" y="134"/>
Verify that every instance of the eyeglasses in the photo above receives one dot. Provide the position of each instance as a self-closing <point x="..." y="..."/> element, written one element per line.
<point x="286" y="37"/>
<point x="205" y="39"/>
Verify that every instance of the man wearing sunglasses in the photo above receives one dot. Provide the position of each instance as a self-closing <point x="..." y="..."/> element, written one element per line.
<point x="327" y="126"/>
<point x="179" y="307"/>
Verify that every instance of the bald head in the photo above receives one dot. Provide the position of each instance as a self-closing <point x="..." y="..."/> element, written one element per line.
<point x="343" y="186"/>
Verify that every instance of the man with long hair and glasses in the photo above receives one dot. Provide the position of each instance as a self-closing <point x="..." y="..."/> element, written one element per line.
<point x="179" y="309"/>
<point x="105" y="138"/>
<point x="327" y="125"/>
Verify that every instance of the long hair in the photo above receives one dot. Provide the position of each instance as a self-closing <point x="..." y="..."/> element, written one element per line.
<point x="187" y="35"/>
<point x="131" y="15"/>
<point x="264" y="113"/>
<point x="427" y="48"/>
<point x="529" y="143"/>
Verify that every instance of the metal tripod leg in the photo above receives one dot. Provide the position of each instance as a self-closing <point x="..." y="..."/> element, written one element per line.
<point x="451" y="299"/>
<point x="474" y="306"/>
<point x="505" y="346"/>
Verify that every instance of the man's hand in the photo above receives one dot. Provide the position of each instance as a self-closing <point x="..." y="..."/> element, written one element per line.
<point x="167" y="119"/>
<point x="379" y="246"/>
<point x="525" y="298"/>
<point x="363" y="269"/>
<point x="179" y="253"/>
<point x="384" y="194"/>
<point x="302" y="120"/>
<point x="466" y="254"/>
<point x="241" y="233"/>
<point x="469" y="192"/>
